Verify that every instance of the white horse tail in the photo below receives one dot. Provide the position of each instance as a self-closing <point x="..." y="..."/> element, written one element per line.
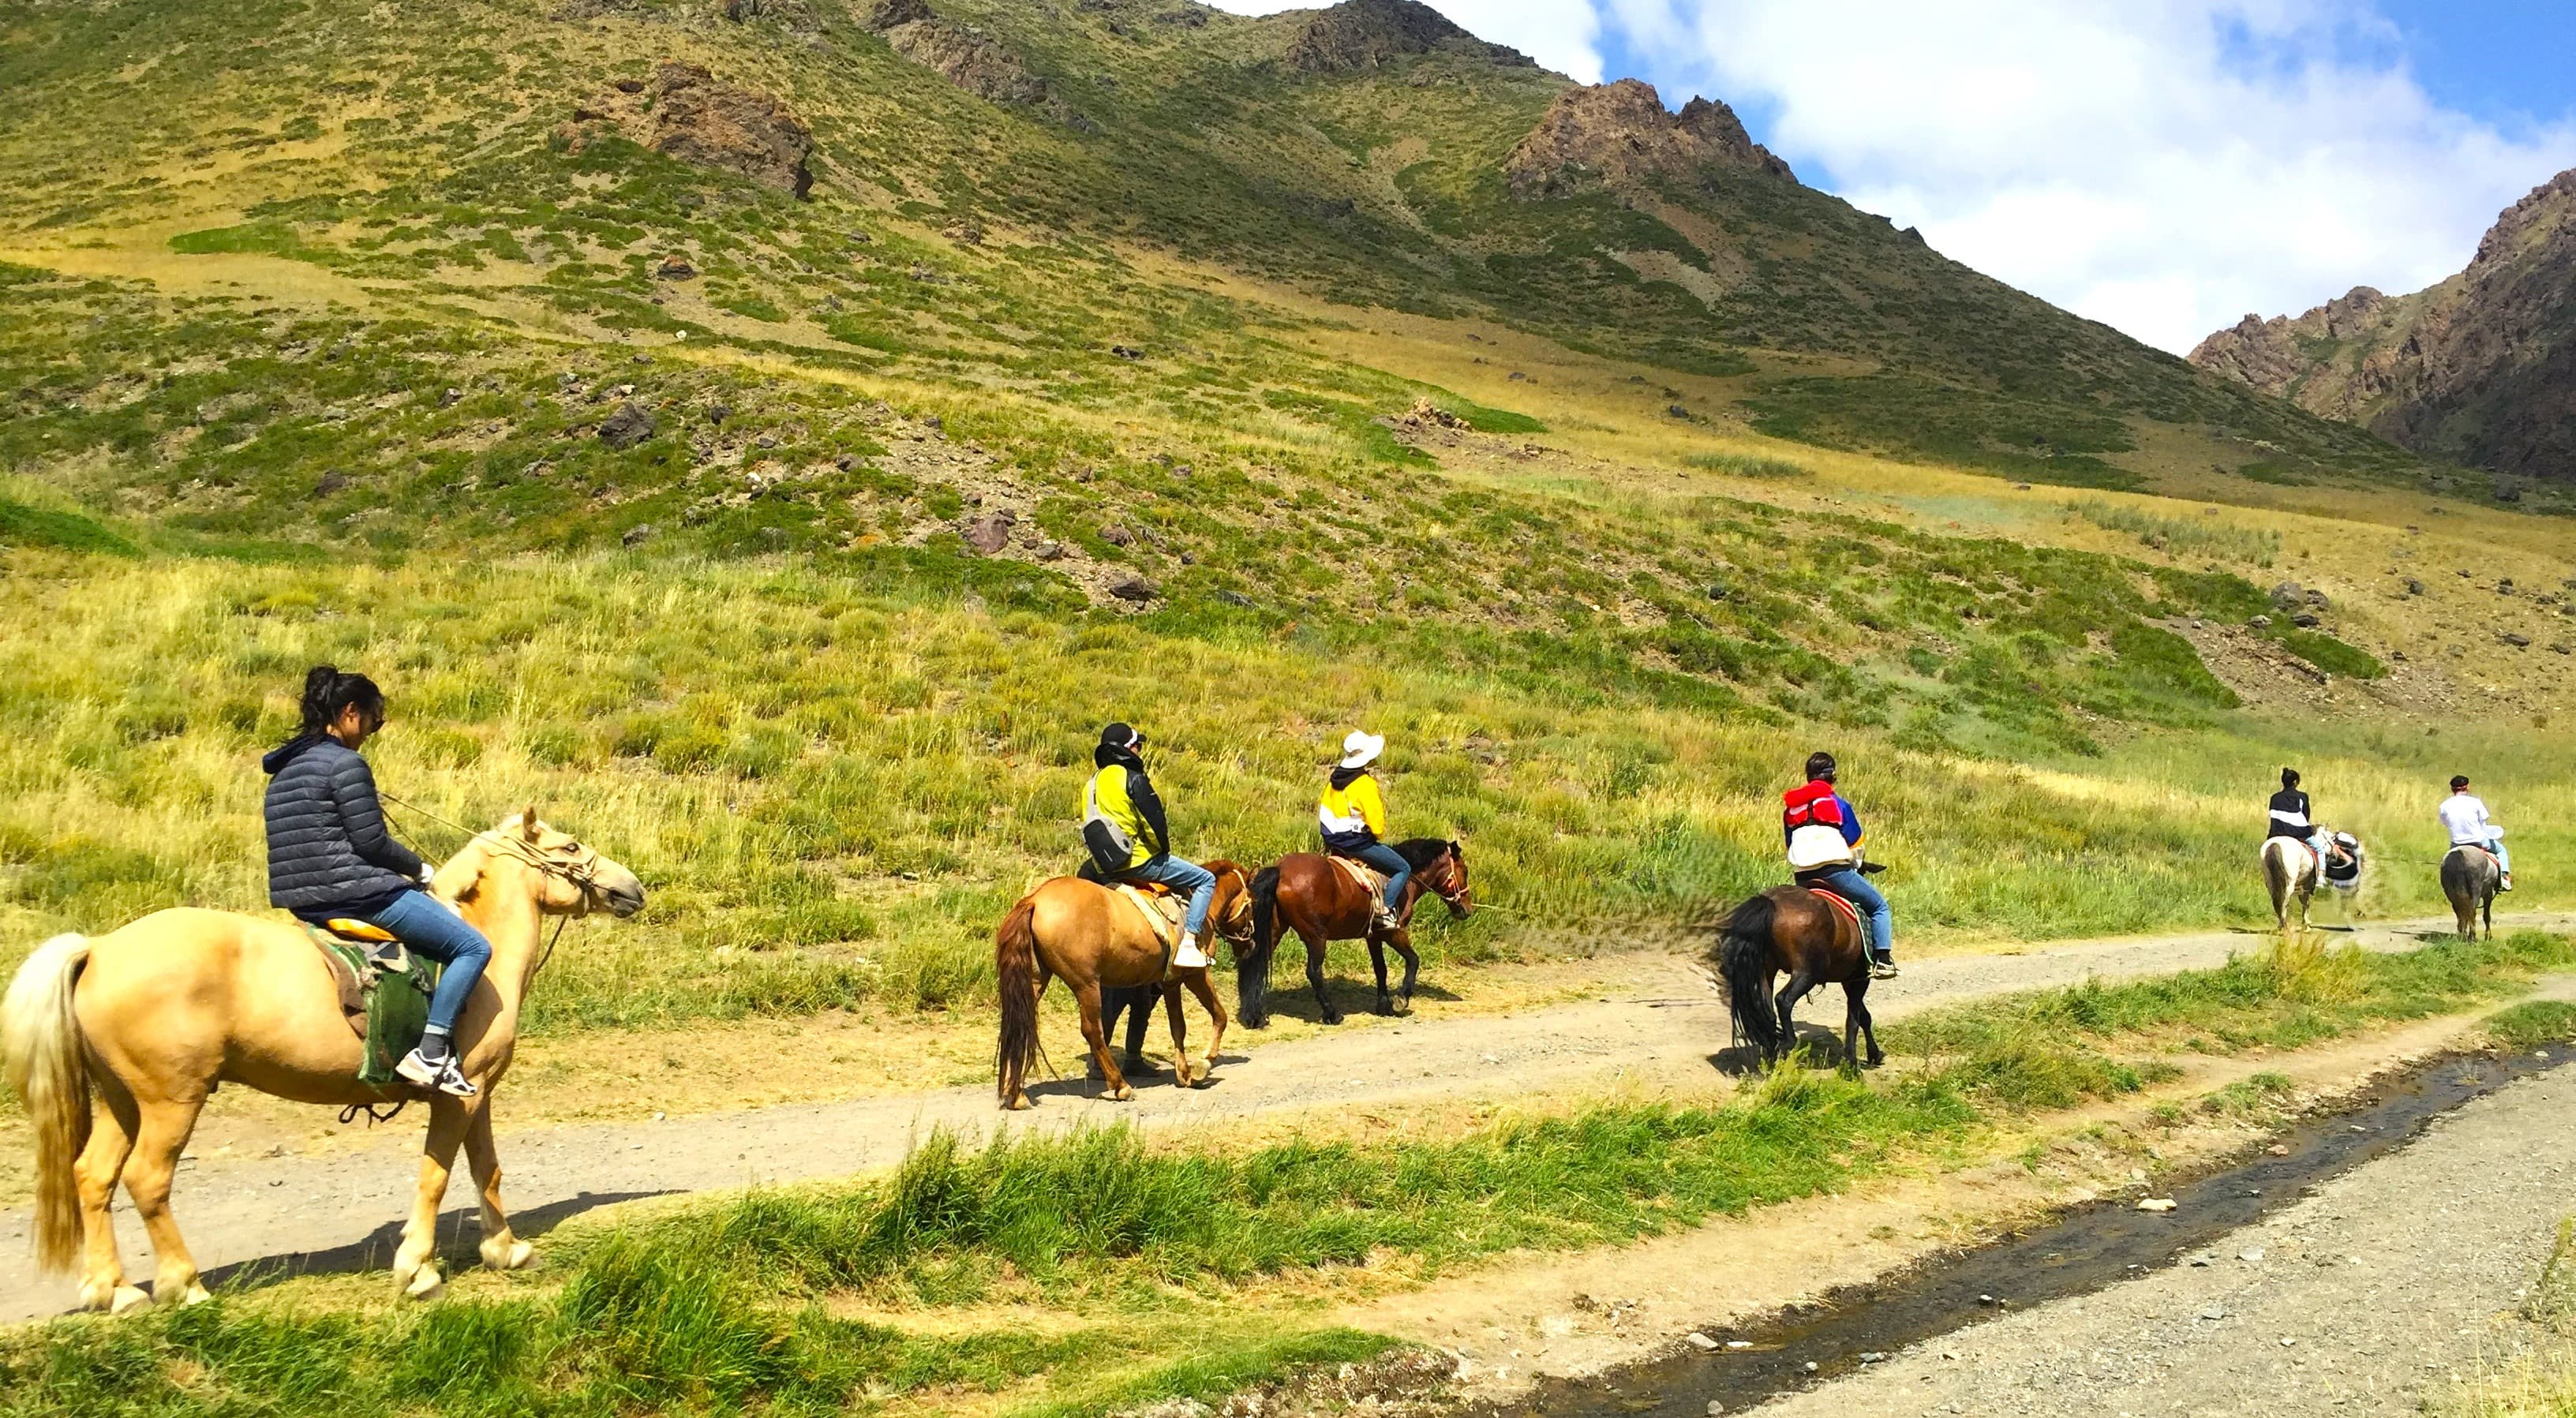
<point x="40" y="1046"/>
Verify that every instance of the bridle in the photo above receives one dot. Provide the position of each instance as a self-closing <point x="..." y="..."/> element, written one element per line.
<point x="1452" y="891"/>
<point x="578" y="866"/>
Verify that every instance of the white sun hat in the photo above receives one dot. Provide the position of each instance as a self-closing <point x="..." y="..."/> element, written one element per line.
<point x="1361" y="748"/>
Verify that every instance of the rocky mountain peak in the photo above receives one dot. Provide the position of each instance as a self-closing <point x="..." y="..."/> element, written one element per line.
<point x="1368" y="34"/>
<point x="1621" y="134"/>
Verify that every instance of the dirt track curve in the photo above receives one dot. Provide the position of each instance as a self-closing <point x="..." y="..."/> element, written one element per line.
<point x="343" y="1210"/>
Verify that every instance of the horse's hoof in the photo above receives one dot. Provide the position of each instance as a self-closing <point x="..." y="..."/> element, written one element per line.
<point x="126" y="1299"/>
<point x="1019" y="1103"/>
<point x="507" y="1254"/>
<point x="427" y="1285"/>
<point x="1333" y="1018"/>
<point x="1386" y="1007"/>
<point x="192" y="1294"/>
<point x="1121" y="1094"/>
<point x="1875" y="1061"/>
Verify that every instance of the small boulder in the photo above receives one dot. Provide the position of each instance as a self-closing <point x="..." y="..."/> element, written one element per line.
<point x="676" y="268"/>
<point x="638" y="534"/>
<point x="2519" y="642"/>
<point x="1126" y="352"/>
<point x="1136" y="589"/>
<point x="1049" y="551"/>
<point x="991" y="532"/>
<point x="2414" y="587"/>
<point x="2307" y="620"/>
<point x="450" y="398"/>
<point x="331" y="482"/>
<point x="718" y="413"/>
<point x="2260" y="622"/>
<point x="1117" y="536"/>
<point x="699" y="120"/>
<point x="1235" y="598"/>
<point x="625" y="428"/>
<point x="2288" y="593"/>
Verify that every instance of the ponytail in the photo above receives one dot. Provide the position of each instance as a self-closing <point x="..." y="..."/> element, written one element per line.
<point x="329" y="693"/>
<point x="2289" y="777"/>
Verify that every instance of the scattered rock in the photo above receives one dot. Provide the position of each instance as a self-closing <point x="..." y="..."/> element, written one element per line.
<point x="450" y="398"/>
<point x="625" y="428"/>
<point x="2414" y="587"/>
<point x="1620" y="134"/>
<point x="965" y="233"/>
<point x="1700" y="1341"/>
<point x="1049" y="551"/>
<point x="2519" y="642"/>
<point x="1117" y="536"/>
<point x="638" y="534"/>
<point x="1134" y="588"/>
<point x="991" y="532"/>
<point x="1873" y="1356"/>
<point x="1126" y="352"/>
<point x="718" y="413"/>
<point x="331" y="482"/>
<point x="676" y="268"/>
<point x="1426" y="414"/>
<point x="2250" y="1255"/>
<point x="2260" y="622"/>
<point x="1676" y="411"/>
<point x="2507" y="490"/>
<point x="2214" y="1312"/>
<point x="2156" y="1203"/>
<point x="1235" y="598"/>
<point x="2307" y="620"/>
<point x="2288" y="594"/>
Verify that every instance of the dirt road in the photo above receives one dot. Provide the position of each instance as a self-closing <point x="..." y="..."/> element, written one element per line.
<point x="342" y="1210"/>
<point x="2374" y="1294"/>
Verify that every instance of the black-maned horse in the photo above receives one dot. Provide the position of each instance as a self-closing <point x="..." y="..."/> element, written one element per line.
<point x="1793" y="931"/>
<point x="1318" y="900"/>
<point x="2470" y="880"/>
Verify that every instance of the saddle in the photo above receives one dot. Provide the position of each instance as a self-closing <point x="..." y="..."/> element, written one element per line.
<point x="1369" y="878"/>
<point x="1850" y="912"/>
<point x="384" y="994"/>
<point x="1164" y="912"/>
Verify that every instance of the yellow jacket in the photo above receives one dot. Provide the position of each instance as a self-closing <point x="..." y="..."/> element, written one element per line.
<point x="1352" y="815"/>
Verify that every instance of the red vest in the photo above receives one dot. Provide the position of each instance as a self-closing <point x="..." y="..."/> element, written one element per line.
<point x="1813" y="803"/>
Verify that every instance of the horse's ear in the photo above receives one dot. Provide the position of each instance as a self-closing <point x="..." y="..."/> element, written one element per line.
<point x="528" y="822"/>
<point x="1457" y="849"/>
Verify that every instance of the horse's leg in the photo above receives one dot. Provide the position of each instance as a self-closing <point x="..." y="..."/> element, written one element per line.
<point x="1790" y="994"/>
<point x="111" y="1141"/>
<point x="1377" y="960"/>
<point x="1203" y="985"/>
<point x="1180" y="1032"/>
<point x="501" y="1250"/>
<point x="1402" y="940"/>
<point x="415" y="1261"/>
<point x="1140" y="1014"/>
<point x="161" y="1134"/>
<point x="1113" y="1083"/>
<point x="1315" y="975"/>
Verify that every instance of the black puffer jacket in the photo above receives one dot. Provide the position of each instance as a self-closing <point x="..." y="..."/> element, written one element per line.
<point x="328" y="850"/>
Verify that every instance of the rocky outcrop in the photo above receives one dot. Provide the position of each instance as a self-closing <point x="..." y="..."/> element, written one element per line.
<point x="965" y="56"/>
<point x="685" y="112"/>
<point x="2480" y="369"/>
<point x="1359" y="35"/>
<point x="1621" y="135"/>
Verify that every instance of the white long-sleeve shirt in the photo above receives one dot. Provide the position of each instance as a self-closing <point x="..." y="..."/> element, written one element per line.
<point x="2465" y="818"/>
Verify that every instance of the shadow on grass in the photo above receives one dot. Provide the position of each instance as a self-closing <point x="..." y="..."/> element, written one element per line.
<point x="458" y="1236"/>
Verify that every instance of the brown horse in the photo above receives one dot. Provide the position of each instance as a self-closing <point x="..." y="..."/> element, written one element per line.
<point x="1322" y="904"/>
<point x="2470" y="880"/>
<point x="1791" y="930"/>
<point x="153" y="1016"/>
<point x="1095" y="938"/>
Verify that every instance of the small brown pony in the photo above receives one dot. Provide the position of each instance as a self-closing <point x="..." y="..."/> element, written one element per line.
<point x="2470" y="879"/>
<point x="1789" y="929"/>
<point x="153" y="1016"/>
<point x="1322" y="904"/>
<point x="1095" y="938"/>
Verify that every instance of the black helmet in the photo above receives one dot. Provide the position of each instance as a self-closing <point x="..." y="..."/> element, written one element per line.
<point x="1820" y="767"/>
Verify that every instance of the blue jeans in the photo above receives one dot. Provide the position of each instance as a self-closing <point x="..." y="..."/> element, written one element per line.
<point x="1855" y="888"/>
<point x="1179" y="875"/>
<point x="1398" y="870"/>
<point x="432" y="928"/>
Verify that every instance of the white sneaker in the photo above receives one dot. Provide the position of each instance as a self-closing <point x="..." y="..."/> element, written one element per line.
<point x="443" y="1075"/>
<point x="1189" y="956"/>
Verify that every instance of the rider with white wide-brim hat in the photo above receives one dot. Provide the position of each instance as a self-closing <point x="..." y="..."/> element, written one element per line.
<point x="1352" y="814"/>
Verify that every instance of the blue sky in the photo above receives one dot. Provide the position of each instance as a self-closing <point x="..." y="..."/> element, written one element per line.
<point x="2165" y="166"/>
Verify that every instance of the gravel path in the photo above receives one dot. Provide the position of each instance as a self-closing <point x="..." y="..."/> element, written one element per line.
<point x="2371" y="1296"/>
<point x="343" y="1210"/>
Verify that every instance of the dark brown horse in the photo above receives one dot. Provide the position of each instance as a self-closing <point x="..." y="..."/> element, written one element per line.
<point x="2470" y="880"/>
<point x="1095" y="940"/>
<point x="1308" y="894"/>
<point x="1791" y="930"/>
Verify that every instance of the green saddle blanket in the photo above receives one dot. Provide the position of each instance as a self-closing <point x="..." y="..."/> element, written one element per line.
<point x="386" y="1005"/>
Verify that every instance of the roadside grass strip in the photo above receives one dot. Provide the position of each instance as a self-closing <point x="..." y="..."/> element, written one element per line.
<point x="1155" y="1249"/>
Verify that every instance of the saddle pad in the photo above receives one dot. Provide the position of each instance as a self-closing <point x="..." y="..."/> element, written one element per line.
<point x="1164" y="912"/>
<point x="386" y="1006"/>
<point x="1370" y="880"/>
<point x="1850" y="912"/>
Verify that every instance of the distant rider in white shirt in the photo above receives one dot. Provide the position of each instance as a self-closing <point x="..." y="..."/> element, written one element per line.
<point x="2465" y="818"/>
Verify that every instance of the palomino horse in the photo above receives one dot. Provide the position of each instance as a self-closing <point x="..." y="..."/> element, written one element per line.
<point x="1789" y="929"/>
<point x="154" y="1015"/>
<point x="2470" y="880"/>
<point x="2290" y="870"/>
<point x="1322" y="904"/>
<point x="1095" y="939"/>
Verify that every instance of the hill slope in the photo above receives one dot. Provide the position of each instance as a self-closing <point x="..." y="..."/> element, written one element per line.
<point x="2480" y="369"/>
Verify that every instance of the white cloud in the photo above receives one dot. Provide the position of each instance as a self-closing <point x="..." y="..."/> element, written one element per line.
<point x="1560" y="34"/>
<point x="2163" y="166"/>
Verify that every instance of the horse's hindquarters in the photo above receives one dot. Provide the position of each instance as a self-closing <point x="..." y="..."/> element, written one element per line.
<point x="181" y="998"/>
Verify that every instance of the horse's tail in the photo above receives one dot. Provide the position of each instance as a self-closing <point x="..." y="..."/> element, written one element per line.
<point x="1015" y="965"/>
<point x="1744" y="960"/>
<point x="2276" y="876"/>
<point x="1252" y="982"/>
<point x="40" y="1044"/>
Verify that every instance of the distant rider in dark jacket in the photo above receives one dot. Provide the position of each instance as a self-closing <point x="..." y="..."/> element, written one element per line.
<point x="329" y="855"/>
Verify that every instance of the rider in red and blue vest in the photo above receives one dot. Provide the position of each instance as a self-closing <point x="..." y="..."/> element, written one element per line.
<point x="1822" y="833"/>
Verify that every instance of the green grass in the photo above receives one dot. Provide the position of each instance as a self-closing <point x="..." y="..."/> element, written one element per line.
<point x="1747" y="465"/>
<point x="2184" y="536"/>
<point x="2328" y="654"/>
<point x="2533" y="1023"/>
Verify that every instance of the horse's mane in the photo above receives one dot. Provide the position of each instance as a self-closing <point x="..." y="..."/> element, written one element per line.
<point x="1421" y="852"/>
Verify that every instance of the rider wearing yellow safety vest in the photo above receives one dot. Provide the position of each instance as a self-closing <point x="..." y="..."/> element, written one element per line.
<point x="1124" y="829"/>
<point x="1352" y="814"/>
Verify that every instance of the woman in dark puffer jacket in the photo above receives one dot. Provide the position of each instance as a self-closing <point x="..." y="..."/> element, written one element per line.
<point x="329" y="855"/>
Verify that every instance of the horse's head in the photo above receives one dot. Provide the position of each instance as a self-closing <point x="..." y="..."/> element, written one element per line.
<point x="1446" y="877"/>
<point x="571" y="877"/>
<point x="1231" y="913"/>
